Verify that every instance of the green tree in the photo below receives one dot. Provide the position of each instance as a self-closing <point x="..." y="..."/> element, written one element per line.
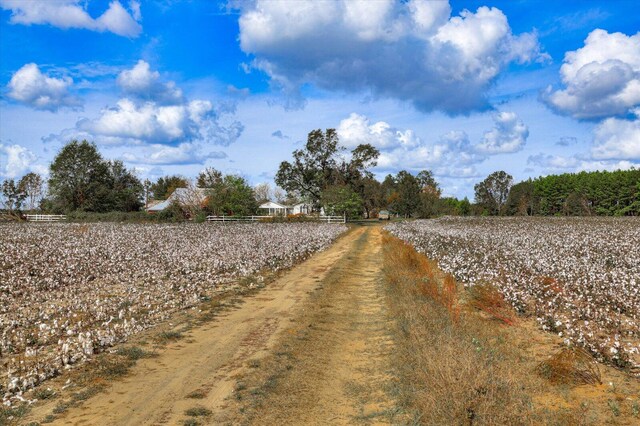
<point x="13" y="196"/>
<point x="492" y="193"/>
<point x="522" y="200"/>
<point x="125" y="189"/>
<point x="430" y="204"/>
<point x="78" y="177"/>
<point x="372" y="195"/>
<point x="576" y="204"/>
<point x="320" y="165"/>
<point x="408" y="190"/>
<point x="81" y="179"/>
<point x="32" y="185"/>
<point x="208" y="178"/>
<point x="342" y="200"/>
<point x="231" y="196"/>
<point x="465" y="207"/>
<point x="389" y="192"/>
<point x="165" y="186"/>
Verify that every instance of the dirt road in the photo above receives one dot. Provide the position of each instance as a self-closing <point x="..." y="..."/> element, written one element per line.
<point x="328" y="311"/>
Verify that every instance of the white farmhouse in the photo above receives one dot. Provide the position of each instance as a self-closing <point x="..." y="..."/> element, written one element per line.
<point x="272" y="208"/>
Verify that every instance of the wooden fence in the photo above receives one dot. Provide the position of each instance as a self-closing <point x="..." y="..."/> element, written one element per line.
<point x="327" y="219"/>
<point x="45" y="217"/>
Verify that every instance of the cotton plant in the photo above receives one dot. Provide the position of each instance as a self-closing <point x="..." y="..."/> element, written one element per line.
<point x="68" y="291"/>
<point x="580" y="277"/>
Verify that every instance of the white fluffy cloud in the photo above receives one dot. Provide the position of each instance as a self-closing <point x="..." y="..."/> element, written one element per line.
<point x="16" y="160"/>
<point x="617" y="139"/>
<point x="141" y="82"/>
<point x="185" y="153"/>
<point x="153" y="112"/>
<point x="602" y="78"/>
<point x="452" y="155"/>
<point x="508" y="135"/>
<point x="576" y="163"/>
<point x="72" y="14"/>
<point x="411" y="50"/>
<point x="130" y="122"/>
<point x="356" y="130"/>
<point x="31" y="87"/>
<point x="150" y="122"/>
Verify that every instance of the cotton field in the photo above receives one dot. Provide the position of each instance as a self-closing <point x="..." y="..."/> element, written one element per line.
<point x="580" y="277"/>
<point x="68" y="291"/>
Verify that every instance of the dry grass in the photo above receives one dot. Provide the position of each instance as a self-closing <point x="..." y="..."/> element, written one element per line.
<point x="487" y="299"/>
<point x="572" y="366"/>
<point x="454" y="368"/>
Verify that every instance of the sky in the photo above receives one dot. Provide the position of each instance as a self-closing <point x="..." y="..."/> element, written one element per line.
<point x="461" y="88"/>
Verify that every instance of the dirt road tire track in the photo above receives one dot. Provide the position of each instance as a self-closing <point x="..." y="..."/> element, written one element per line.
<point x="332" y="366"/>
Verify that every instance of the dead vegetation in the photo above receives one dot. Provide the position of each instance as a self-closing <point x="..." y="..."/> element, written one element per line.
<point x="571" y="366"/>
<point x="451" y="369"/>
<point x="462" y="357"/>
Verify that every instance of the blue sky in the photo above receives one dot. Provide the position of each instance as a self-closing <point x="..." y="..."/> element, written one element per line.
<point x="462" y="88"/>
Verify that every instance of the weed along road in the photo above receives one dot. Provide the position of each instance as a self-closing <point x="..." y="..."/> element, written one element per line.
<point x="310" y="348"/>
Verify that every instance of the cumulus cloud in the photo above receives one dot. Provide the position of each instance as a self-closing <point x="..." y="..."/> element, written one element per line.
<point x="412" y="51"/>
<point x="153" y="112"/>
<point x="356" y="130"/>
<point x="451" y="155"/>
<point x="148" y="123"/>
<point x="508" y="135"/>
<point x="31" y="87"/>
<point x="16" y="160"/>
<point x="602" y="79"/>
<point x="617" y="139"/>
<point x="141" y="82"/>
<point x="577" y="163"/>
<point x="556" y="162"/>
<point x="185" y="153"/>
<point x="67" y="14"/>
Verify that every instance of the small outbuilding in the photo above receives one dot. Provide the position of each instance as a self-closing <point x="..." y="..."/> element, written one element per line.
<point x="302" y="208"/>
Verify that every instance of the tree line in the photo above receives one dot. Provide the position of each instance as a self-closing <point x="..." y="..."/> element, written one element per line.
<point x="601" y="193"/>
<point x="324" y="175"/>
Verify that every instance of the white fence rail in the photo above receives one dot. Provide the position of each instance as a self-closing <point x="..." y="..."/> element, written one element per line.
<point x="45" y="217"/>
<point x="236" y="218"/>
<point x="327" y="219"/>
<point x="333" y="219"/>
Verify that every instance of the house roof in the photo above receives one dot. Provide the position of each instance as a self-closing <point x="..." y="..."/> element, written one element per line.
<point x="159" y="206"/>
<point x="181" y="195"/>
<point x="273" y="205"/>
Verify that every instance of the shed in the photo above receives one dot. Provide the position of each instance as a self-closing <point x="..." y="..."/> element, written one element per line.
<point x="302" y="208"/>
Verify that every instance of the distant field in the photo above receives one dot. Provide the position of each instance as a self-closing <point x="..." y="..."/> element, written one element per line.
<point x="580" y="277"/>
<point x="68" y="291"/>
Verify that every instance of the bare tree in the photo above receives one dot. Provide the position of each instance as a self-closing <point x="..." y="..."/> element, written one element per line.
<point x="263" y="192"/>
<point x="279" y="195"/>
<point x="192" y="199"/>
